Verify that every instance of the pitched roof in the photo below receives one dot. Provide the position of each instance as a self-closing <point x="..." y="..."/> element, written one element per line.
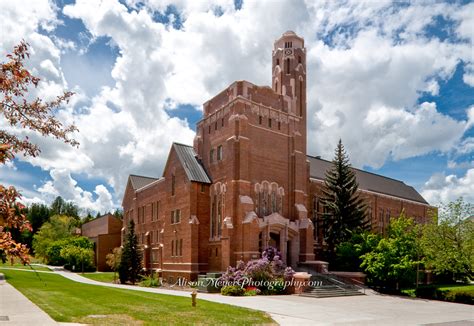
<point x="192" y="166"/>
<point x="139" y="181"/>
<point x="369" y="181"/>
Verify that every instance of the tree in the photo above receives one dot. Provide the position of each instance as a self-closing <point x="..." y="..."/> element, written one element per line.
<point x="393" y="262"/>
<point x="349" y="253"/>
<point x="78" y="256"/>
<point x="17" y="110"/>
<point x="118" y="214"/>
<point x="131" y="262"/>
<point x="345" y="208"/>
<point x="113" y="261"/>
<point x="57" y="228"/>
<point x="61" y="207"/>
<point x="448" y="241"/>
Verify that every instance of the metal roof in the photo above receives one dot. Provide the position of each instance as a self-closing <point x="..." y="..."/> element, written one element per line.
<point x="193" y="167"/>
<point x="369" y="181"/>
<point x="139" y="181"/>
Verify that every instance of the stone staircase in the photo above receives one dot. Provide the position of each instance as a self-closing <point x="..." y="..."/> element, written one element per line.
<point x="327" y="286"/>
<point x="329" y="292"/>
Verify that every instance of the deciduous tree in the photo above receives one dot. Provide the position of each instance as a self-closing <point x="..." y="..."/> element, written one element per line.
<point x="17" y="110"/>
<point x="448" y="241"/>
<point x="394" y="260"/>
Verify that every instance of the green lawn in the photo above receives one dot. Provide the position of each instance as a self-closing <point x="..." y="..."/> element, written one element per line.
<point x="68" y="301"/>
<point x="107" y="277"/>
<point x="21" y="266"/>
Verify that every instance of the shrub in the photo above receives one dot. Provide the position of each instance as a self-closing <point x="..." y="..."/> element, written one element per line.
<point x="150" y="282"/>
<point x="78" y="258"/>
<point x="251" y="291"/>
<point x="270" y="272"/>
<point x="233" y="290"/>
<point x="459" y="296"/>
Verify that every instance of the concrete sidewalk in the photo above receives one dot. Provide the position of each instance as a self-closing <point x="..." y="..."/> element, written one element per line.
<point x="359" y="310"/>
<point x="16" y="309"/>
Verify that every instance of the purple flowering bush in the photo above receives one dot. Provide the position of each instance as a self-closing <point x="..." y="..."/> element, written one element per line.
<point x="269" y="269"/>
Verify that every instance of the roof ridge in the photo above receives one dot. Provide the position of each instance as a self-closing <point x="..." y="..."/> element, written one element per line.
<point x="181" y="144"/>
<point x="142" y="176"/>
<point x="361" y="170"/>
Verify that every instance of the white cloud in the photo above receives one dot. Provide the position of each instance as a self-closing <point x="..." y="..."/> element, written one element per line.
<point x="62" y="184"/>
<point x="442" y="189"/>
<point x="363" y="87"/>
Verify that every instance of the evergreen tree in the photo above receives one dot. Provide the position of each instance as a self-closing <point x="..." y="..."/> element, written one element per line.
<point x="131" y="261"/>
<point x="345" y="209"/>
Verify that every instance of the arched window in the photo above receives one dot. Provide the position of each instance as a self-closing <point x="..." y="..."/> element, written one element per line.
<point x="274" y="202"/>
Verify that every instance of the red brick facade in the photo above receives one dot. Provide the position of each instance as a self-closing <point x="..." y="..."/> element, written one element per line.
<point x="251" y="142"/>
<point x="105" y="232"/>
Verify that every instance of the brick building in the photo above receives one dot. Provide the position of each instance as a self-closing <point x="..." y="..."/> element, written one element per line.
<point x="105" y="232"/>
<point x="247" y="182"/>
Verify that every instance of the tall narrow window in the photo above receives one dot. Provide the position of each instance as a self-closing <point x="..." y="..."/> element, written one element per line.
<point x="274" y="202"/>
<point x="181" y="247"/>
<point x="269" y="123"/>
<point x="209" y="128"/>
<point x="211" y="155"/>
<point x="259" y="119"/>
<point x="219" y="153"/>
<point x="222" y="122"/>
<point x="299" y="59"/>
<point x="279" y="125"/>
<point x="173" y="184"/>
<point x="219" y="216"/>
<point x="301" y="98"/>
<point x="215" y="125"/>
<point x="213" y="216"/>
<point x="288" y="65"/>
<point x="278" y="62"/>
<point x="276" y="86"/>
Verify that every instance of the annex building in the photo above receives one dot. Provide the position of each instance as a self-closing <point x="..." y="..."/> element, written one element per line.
<point x="247" y="183"/>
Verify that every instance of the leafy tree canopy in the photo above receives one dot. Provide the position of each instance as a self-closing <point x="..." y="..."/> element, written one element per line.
<point x="394" y="260"/>
<point x="448" y="241"/>
<point x="57" y="228"/>
<point x="17" y="110"/>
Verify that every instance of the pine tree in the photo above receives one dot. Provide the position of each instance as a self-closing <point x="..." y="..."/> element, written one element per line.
<point x="131" y="262"/>
<point x="345" y="209"/>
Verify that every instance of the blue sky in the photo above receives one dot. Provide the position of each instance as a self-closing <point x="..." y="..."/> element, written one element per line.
<point x="393" y="80"/>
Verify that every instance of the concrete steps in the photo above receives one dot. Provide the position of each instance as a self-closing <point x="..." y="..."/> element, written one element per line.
<point x="330" y="291"/>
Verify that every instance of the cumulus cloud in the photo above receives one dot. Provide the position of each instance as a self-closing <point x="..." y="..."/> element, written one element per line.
<point x="368" y="64"/>
<point x="62" y="184"/>
<point x="442" y="188"/>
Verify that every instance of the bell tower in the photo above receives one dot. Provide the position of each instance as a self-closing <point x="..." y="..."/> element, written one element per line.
<point x="289" y="72"/>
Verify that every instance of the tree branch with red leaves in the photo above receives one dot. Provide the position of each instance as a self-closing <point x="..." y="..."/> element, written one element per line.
<point x="36" y="115"/>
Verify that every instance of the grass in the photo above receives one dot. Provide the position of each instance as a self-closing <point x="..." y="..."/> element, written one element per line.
<point x="106" y="277"/>
<point x="21" y="266"/>
<point x="68" y="301"/>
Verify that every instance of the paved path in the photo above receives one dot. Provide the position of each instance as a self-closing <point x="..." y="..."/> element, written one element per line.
<point x="358" y="310"/>
<point x="19" y="309"/>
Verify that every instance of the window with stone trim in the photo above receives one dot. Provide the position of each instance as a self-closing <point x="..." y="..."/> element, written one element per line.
<point x="175" y="216"/>
<point x="211" y="155"/>
<point x="219" y="153"/>
<point x="268" y="198"/>
<point x="217" y="193"/>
